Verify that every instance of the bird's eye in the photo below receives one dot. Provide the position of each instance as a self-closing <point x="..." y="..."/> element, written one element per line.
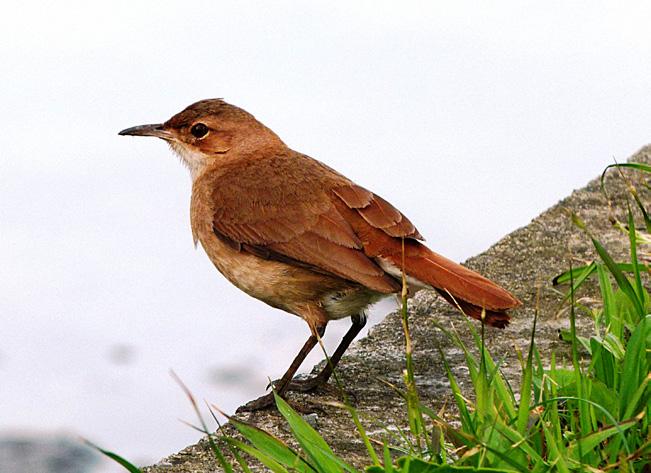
<point x="199" y="130"/>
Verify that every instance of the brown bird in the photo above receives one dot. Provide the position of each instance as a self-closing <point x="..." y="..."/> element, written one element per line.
<point x="296" y="234"/>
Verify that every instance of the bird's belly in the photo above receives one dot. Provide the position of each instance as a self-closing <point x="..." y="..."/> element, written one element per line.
<point x="283" y="285"/>
<point x="348" y="302"/>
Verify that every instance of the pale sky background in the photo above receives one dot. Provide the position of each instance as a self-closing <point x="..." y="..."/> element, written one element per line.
<point x="470" y="117"/>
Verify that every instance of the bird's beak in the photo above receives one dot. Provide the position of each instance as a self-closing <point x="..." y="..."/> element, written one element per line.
<point x="157" y="130"/>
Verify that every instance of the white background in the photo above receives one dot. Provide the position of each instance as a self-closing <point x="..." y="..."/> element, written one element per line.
<point x="470" y="117"/>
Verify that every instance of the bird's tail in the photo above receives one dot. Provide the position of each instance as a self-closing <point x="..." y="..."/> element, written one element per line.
<point x="475" y="295"/>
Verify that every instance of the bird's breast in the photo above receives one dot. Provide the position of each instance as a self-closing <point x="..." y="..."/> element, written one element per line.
<point x="279" y="284"/>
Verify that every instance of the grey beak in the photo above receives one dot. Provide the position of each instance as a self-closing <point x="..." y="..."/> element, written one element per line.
<point x="156" y="130"/>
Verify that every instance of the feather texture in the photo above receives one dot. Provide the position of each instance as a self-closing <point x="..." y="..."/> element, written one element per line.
<point x="292" y="208"/>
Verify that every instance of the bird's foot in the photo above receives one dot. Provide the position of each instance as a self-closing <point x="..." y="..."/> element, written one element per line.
<point x="302" y="385"/>
<point x="307" y="385"/>
<point x="272" y="384"/>
<point x="262" y="402"/>
<point x="268" y="402"/>
<point x="299" y="385"/>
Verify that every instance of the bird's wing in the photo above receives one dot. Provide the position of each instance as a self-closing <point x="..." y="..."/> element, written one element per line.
<point x="283" y="208"/>
<point x="292" y="208"/>
<point x="477" y="296"/>
<point x="376" y="211"/>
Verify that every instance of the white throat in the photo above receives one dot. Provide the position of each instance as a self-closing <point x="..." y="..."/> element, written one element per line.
<point x="193" y="160"/>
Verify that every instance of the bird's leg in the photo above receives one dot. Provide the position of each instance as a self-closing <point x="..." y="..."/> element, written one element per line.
<point x="281" y="385"/>
<point x="359" y="321"/>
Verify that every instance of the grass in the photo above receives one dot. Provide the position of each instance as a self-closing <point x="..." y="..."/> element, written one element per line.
<point x="589" y="414"/>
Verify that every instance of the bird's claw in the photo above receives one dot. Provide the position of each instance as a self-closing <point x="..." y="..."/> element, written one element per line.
<point x="300" y="386"/>
<point x="305" y="385"/>
<point x="272" y="384"/>
<point x="262" y="402"/>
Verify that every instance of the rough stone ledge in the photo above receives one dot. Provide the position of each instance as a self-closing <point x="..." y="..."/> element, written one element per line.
<point x="523" y="261"/>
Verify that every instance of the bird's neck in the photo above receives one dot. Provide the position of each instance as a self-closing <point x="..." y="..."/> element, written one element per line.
<point x="194" y="160"/>
<point x="253" y="148"/>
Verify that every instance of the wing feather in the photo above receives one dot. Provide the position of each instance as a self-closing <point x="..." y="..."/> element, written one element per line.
<point x="377" y="212"/>
<point x="256" y="211"/>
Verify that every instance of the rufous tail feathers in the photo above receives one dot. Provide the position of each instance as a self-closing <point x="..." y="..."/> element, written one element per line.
<point x="475" y="295"/>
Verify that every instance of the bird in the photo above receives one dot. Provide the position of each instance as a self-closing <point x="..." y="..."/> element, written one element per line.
<point x="294" y="233"/>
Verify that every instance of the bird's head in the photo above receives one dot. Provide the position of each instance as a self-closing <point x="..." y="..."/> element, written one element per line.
<point x="207" y="131"/>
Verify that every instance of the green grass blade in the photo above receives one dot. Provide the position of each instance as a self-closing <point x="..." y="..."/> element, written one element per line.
<point x="640" y="396"/>
<point x="213" y="446"/>
<point x="115" y="457"/>
<point x="467" y="422"/>
<point x="552" y="411"/>
<point x="503" y="393"/>
<point x="602" y="363"/>
<point x="225" y="464"/>
<point x="525" y="388"/>
<point x="621" y="280"/>
<point x="609" y="315"/>
<point x="603" y="410"/>
<point x="614" y="345"/>
<point x="554" y="451"/>
<point x="417" y="465"/>
<point x="638" y="166"/>
<point x="518" y="441"/>
<point x="259" y="455"/>
<point x="580" y="380"/>
<point x="577" y="275"/>
<point x="493" y="377"/>
<point x="645" y="215"/>
<point x="636" y="268"/>
<point x="388" y="462"/>
<point x="577" y="272"/>
<point x="311" y="442"/>
<point x="241" y="461"/>
<point x="272" y="447"/>
<point x="591" y="441"/>
<point x="506" y="456"/>
<point x="636" y="364"/>
<point x="362" y="433"/>
<point x="483" y="392"/>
